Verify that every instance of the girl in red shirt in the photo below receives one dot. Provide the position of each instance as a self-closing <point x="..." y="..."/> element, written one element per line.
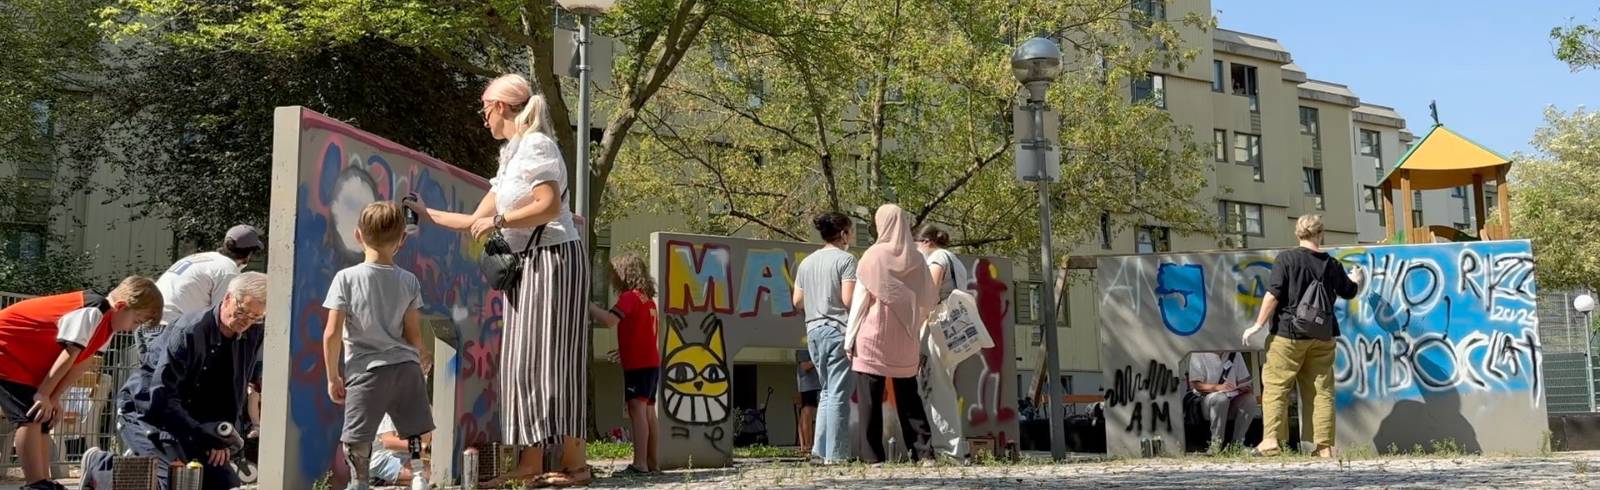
<point x="634" y="317"/>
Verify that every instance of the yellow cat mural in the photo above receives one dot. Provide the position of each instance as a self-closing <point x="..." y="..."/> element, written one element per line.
<point x="695" y="387"/>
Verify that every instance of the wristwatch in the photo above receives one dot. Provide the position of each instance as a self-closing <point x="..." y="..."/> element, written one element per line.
<point x="499" y="221"/>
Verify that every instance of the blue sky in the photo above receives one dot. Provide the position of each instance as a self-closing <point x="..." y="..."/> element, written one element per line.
<point x="1488" y="63"/>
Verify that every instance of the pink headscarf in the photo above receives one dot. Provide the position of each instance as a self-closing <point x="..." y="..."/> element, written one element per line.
<point x="896" y="273"/>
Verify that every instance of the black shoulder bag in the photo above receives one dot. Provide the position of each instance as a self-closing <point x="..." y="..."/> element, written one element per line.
<point x="501" y="266"/>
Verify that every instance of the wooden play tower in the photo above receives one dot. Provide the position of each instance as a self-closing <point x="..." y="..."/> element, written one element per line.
<point x="1445" y="160"/>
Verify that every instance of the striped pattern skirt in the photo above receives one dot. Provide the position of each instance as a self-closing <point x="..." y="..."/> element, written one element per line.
<point x="544" y="364"/>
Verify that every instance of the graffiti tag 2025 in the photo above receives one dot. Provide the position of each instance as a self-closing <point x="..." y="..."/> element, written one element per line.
<point x="1444" y="320"/>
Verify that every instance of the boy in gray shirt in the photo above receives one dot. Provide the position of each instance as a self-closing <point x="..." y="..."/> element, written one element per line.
<point x="373" y="316"/>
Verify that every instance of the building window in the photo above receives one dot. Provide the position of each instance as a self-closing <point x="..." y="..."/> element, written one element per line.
<point x="1105" y="231"/>
<point x="1310" y="126"/>
<point x="1372" y="146"/>
<point x="1152" y="87"/>
<point x="1219" y="144"/>
<point x="1371" y="199"/>
<point x="1247" y="151"/>
<point x="1463" y="227"/>
<point x="1459" y="192"/>
<point x="1241" y="218"/>
<point x="1216" y="76"/>
<point x="1149" y="11"/>
<point x="1313" y="185"/>
<point x="1244" y="84"/>
<point x="1152" y="240"/>
<point x="41" y="117"/>
<point x="1416" y="208"/>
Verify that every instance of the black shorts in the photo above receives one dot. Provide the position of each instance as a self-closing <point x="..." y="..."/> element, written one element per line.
<point x="809" y="398"/>
<point x="640" y="384"/>
<point x="15" y="400"/>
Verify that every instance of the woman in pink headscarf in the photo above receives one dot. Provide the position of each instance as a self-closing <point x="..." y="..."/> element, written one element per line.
<point x="899" y="297"/>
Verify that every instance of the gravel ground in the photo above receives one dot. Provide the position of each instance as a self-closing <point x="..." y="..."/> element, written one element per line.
<point x="1558" y="470"/>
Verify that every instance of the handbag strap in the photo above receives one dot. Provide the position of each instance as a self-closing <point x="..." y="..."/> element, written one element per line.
<point x="539" y="231"/>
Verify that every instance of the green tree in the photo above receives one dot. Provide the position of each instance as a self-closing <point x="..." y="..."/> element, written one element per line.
<point x="47" y="48"/>
<point x="1553" y="200"/>
<point x="193" y="131"/>
<point x="483" y="38"/>
<point x="1578" y="45"/>
<point x="845" y="105"/>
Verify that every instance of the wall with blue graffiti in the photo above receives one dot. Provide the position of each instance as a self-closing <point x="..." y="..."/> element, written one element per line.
<point x="335" y="170"/>
<point x="1441" y="343"/>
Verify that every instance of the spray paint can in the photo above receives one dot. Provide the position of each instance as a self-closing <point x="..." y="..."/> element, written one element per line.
<point x="1144" y="447"/>
<point x="469" y="469"/>
<point x="1157" y="448"/>
<point x="186" y="477"/>
<point x="411" y="216"/>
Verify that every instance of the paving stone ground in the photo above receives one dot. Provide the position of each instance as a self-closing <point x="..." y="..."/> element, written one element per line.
<point x="1571" y="470"/>
<point x="1559" y="470"/>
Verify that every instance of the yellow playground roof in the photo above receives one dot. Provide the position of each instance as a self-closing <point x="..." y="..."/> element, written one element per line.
<point x="1444" y="159"/>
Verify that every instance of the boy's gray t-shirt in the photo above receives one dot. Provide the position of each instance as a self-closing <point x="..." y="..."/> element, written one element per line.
<point x="820" y="276"/>
<point x="375" y="299"/>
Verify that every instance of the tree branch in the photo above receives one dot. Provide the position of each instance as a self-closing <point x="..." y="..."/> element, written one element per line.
<point x="955" y="185"/>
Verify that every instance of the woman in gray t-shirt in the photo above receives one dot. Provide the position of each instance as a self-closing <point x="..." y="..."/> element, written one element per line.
<point x="824" y="283"/>
<point x="948" y="272"/>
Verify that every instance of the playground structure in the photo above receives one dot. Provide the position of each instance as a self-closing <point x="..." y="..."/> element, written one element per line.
<point x="1443" y="159"/>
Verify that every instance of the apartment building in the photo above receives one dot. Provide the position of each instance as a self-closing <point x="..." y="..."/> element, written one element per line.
<point x="1283" y="144"/>
<point x="117" y="238"/>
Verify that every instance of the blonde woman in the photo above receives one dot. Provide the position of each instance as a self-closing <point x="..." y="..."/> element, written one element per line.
<point x="543" y="354"/>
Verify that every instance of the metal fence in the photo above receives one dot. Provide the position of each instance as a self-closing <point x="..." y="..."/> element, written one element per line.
<point x="1569" y="361"/>
<point x="87" y="415"/>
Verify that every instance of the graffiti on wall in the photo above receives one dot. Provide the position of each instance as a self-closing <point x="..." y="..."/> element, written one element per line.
<point x="340" y="170"/>
<point x="1444" y="320"/>
<point x="720" y="295"/>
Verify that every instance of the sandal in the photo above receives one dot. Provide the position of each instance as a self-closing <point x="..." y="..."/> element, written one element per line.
<point x="569" y="479"/>
<point x="1257" y="452"/>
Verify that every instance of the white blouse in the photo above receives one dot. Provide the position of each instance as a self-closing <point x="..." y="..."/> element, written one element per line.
<point x="527" y="161"/>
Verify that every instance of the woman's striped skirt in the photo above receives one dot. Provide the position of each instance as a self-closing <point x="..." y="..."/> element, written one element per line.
<point x="544" y="364"/>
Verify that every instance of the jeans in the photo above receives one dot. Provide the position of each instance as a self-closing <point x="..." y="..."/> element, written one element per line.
<point x="908" y="408"/>
<point x="1309" y="365"/>
<point x="832" y="440"/>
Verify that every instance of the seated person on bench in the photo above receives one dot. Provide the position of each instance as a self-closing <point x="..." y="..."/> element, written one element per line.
<point x="1223" y="384"/>
<point x="189" y="382"/>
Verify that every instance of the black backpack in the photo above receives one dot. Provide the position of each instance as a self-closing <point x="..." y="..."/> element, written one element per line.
<point x="1313" y="314"/>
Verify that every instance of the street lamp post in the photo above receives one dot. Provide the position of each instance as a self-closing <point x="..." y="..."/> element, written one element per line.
<point x="1036" y="63"/>
<point x="1584" y="303"/>
<point x="585" y="10"/>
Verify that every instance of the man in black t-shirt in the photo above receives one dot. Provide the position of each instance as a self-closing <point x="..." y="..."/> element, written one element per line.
<point x="1296" y="354"/>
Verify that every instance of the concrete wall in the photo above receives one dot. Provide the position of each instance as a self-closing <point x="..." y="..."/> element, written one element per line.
<point x="720" y="296"/>
<point x="1441" y="343"/>
<point x="324" y="172"/>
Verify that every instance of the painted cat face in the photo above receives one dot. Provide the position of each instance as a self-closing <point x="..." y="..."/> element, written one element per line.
<point x="696" y="375"/>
